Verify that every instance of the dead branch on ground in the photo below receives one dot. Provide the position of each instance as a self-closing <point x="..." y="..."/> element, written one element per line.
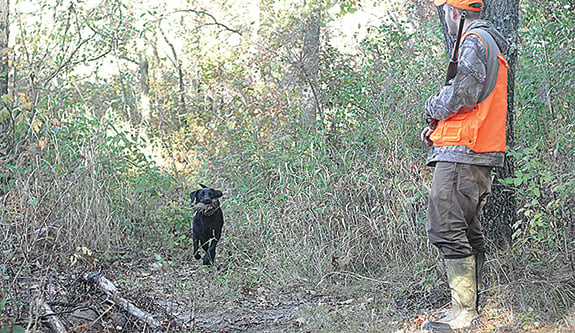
<point x="110" y="289"/>
<point x="50" y="317"/>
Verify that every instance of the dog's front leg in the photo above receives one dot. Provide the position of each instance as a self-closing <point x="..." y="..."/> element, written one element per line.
<point x="211" y="252"/>
<point x="196" y="249"/>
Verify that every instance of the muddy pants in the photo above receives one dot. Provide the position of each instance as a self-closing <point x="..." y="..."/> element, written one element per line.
<point x="457" y="196"/>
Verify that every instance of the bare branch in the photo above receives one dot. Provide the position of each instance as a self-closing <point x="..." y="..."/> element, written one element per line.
<point x="215" y="21"/>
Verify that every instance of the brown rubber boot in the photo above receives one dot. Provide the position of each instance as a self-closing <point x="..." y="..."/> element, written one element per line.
<point x="461" y="275"/>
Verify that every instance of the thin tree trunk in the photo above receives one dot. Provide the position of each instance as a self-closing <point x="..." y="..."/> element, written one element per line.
<point x="144" y="90"/>
<point x="178" y="65"/>
<point x="51" y="318"/>
<point x="309" y="71"/>
<point x="144" y="79"/>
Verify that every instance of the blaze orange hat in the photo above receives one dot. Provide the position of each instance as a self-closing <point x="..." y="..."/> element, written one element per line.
<point x="471" y="5"/>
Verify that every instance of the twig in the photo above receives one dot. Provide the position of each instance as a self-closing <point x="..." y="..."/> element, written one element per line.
<point x="102" y="315"/>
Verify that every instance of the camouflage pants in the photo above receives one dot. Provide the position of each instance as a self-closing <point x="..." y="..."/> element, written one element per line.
<point x="457" y="196"/>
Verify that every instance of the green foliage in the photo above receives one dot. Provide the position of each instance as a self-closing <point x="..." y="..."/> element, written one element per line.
<point x="544" y="177"/>
<point x="546" y="201"/>
<point x="86" y="169"/>
<point x="375" y="90"/>
<point x="544" y="76"/>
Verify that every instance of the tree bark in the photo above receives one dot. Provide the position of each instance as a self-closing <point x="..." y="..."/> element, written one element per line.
<point x="144" y="90"/>
<point x="309" y="71"/>
<point x="144" y="67"/>
<point x="500" y="212"/>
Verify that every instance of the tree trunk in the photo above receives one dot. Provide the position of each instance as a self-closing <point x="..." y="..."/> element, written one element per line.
<point x="5" y="117"/>
<point x="500" y="212"/>
<point x="178" y="65"/>
<point x="144" y="90"/>
<point x="144" y="66"/>
<point x="309" y="71"/>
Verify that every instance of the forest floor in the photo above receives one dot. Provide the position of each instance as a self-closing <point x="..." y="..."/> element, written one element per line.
<point x="189" y="297"/>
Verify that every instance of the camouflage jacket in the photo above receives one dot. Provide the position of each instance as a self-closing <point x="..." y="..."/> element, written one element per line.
<point x="463" y="94"/>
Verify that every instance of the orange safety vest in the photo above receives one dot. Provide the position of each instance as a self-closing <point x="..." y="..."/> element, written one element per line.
<point x="483" y="128"/>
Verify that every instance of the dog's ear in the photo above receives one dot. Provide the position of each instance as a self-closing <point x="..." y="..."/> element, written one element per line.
<point x="218" y="193"/>
<point x="193" y="196"/>
<point x="203" y="186"/>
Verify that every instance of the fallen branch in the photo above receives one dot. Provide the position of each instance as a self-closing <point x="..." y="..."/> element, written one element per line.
<point x="110" y="289"/>
<point x="50" y="317"/>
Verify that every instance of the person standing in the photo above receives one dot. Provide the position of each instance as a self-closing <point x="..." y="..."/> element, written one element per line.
<point x="467" y="135"/>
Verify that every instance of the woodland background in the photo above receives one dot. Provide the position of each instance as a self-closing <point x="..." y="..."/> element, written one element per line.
<point x="307" y="116"/>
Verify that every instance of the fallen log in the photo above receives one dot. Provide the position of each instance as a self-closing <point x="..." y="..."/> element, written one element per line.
<point x="50" y="318"/>
<point x="110" y="289"/>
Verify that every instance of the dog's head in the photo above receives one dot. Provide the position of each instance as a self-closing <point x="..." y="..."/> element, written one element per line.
<point x="205" y="199"/>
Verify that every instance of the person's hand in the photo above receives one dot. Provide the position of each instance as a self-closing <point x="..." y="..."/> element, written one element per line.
<point x="425" y="134"/>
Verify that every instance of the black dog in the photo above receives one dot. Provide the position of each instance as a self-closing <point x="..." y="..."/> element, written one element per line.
<point x="207" y="222"/>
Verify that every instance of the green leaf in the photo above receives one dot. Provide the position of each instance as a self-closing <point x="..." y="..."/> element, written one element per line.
<point x="7" y="99"/>
<point x="537" y="192"/>
<point x="4" y="113"/>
